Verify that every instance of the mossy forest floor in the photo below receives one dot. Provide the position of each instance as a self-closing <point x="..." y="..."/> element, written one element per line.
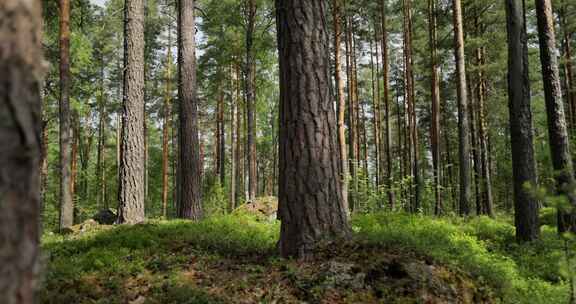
<point x="393" y="258"/>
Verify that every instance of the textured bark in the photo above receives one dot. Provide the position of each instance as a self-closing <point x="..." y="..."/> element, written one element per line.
<point x="132" y="153"/>
<point x="66" y="200"/>
<point x="386" y="100"/>
<point x="21" y="69"/>
<point x="310" y="197"/>
<point x="568" y="69"/>
<point x="557" y="130"/>
<point x="463" y="132"/>
<point x="190" y="205"/>
<point x="251" y="100"/>
<point x="344" y="171"/>
<point x="166" y="126"/>
<point x="435" y="93"/>
<point x="523" y="163"/>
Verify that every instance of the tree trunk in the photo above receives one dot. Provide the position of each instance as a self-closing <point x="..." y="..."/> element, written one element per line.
<point x="435" y="93"/>
<point x="310" y="197"/>
<point x="233" y="137"/>
<point x="21" y="64"/>
<point x="411" y="109"/>
<point x="190" y="205"/>
<point x="557" y="130"/>
<point x="100" y="165"/>
<point x="570" y="82"/>
<point x="523" y="163"/>
<point x="132" y="153"/>
<point x="386" y="101"/>
<point x="463" y="132"/>
<point x="337" y="9"/>
<point x="375" y="111"/>
<point x="66" y="200"/>
<point x="166" y="126"/>
<point x="352" y="128"/>
<point x="221" y="139"/>
<point x="251" y="100"/>
<point x="74" y="165"/>
<point x="486" y="178"/>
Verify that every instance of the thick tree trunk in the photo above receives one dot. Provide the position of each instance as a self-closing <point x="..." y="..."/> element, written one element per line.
<point x="251" y="100"/>
<point x="463" y="132"/>
<point x="386" y="101"/>
<point x="190" y="205"/>
<point x="557" y="130"/>
<point x="66" y="200"/>
<point x="310" y="197"/>
<point x="523" y="163"/>
<point x="337" y="8"/>
<point x="132" y="153"/>
<point x="435" y="93"/>
<point x="20" y="149"/>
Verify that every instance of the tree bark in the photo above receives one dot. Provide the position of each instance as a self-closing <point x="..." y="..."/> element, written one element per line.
<point x="411" y="109"/>
<point x="190" y="205"/>
<point x="132" y="153"/>
<point x="463" y="132"/>
<point x="344" y="171"/>
<point x="375" y="110"/>
<point x="386" y="101"/>
<point x="66" y="200"/>
<point x="166" y="126"/>
<point x="310" y="196"/>
<point x="557" y="130"/>
<point x="352" y="125"/>
<point x="523" y="163"/>
<point x="435" y="93"/>
<point x="21" y="64"/>
<point x="234" y="98"/>
<point x="221" y="139"/>
<point x="251" y="100"/>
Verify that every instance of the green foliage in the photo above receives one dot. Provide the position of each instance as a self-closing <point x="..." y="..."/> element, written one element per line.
<point x="483" y="247"/>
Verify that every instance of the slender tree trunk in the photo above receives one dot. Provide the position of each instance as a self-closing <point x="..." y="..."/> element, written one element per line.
<point x="310" y="198"/>
<point x="435" y="93"/>
<point x="557" y="130"/>
<point x="66" y="199"/>
<point x="21" y="64"/>
<point x="568" y="69"/>
<point x="352" y="128"/>
<point x="337" y="9"/>
<point x="375" y="111"/>
<point x="233" y="138"/>
<point x="475" y="156"/>
<point x="132" y="150"/>
<point x="485" y="175"/>
<point x="166" y="126"/>
<point x="221" y="140"/>
<point x="44" y="165"/>
<point x="100" y="166"/>
<point x="411" y="108"/>
<point x="386" y="101"/>
<point x="190" y="205"/>
<point x="239" y="139"/>
<point x="463" y="132"/>
<point x="251" y="100"/>
<point x="523" y="163"/>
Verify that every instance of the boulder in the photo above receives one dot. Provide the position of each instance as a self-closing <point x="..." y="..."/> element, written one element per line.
<point x="264" y="208"/>
<point x="105" y="217"/>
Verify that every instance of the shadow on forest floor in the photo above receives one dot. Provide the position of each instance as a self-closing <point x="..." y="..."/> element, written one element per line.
<point x="394" y="258"/>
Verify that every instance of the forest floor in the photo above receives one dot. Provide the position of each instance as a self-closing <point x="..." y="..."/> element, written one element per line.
<point x="393" y="258"/>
